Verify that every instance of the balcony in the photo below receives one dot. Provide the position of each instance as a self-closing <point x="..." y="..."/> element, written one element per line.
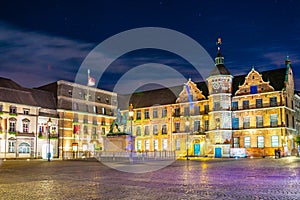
<point x="25" y="134"/>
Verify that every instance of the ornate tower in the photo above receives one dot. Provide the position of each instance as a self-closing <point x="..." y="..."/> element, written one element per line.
<point x="220" y="89"/>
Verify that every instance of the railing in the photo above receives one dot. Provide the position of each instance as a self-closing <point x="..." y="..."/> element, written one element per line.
<point x="254" y="106"/>
<point x="135" y="156"/>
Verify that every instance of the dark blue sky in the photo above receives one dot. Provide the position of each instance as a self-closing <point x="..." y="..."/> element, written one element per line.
<point x="45" y="41"/>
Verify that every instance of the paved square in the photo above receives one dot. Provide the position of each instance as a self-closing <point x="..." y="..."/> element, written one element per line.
<point x="194" y="179"/>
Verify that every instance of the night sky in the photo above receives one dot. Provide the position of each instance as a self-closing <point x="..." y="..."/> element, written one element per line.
<point x="46" y="41"/>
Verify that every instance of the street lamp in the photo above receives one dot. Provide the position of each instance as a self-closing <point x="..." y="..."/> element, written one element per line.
<point x="131" y="137"/>
<point x="49" y="123"/>
<point x="187" y="124"/>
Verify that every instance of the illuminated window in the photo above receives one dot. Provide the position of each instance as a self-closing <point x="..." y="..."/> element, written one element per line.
<point x="165" y="144"/>
<point x="95" y="109"/>
<point x="236" y="142"/>
<point x="155" y="145"/>
<point x="246" y="104"/>
<point x="197" y="110"/>
<point x="217" y="106"/>
<point x="12" y="124"/>
<point x="155" y="113"/>
<point x="138" y="115"/>
<point x="246" y="122"/>
<point x="259" y="121"/>
<point x="147" y="145"/>
<point x="146" y="130"/>
<point x="146" y="113"/>
<point x="247" y="143"/>
<point x="197" y="125"/>
<point x="258" y="103"/>
<point x="177" y="144"/>
<point x="235" y="105"/>
<point x="155" y="129"/>
<point x="24" y="148"/>
<point x="11" y="146"/>
<point x="164" y="112"/>
<point x="274" y="141"/>
<point x="206" y="125"/>
<point x="138" y="131"/>
<point x="235" y="123"/>
<point x="177" y="127"/>
<point x="186" y="111"/>
<point x="139" y="145"/>
<point x="274" y="120"/>
<point x="103" y="111"/>
<point x="260" y="141"/>
<point x="85" y="130"/>
<point x="164" y="129"/>
<point x="273" y="101"/>
<point x="25" y="125"/>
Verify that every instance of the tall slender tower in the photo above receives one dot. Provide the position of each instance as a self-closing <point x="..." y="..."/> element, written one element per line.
<point x="220" y="90"/>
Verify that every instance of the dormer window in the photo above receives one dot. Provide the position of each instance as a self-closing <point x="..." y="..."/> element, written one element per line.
<point x="12" y="110"/>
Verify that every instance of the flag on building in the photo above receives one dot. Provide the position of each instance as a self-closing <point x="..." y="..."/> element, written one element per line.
<point x="91" y="80"/>
<point x="76" y="128"/>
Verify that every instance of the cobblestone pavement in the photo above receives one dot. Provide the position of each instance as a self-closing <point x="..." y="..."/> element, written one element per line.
<point x="194" y="179"/>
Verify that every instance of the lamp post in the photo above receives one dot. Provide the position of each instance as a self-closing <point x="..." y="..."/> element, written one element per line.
<point x="49" y="123"/>
<point x="187" y="124"/>
<point x="131" y="137"/>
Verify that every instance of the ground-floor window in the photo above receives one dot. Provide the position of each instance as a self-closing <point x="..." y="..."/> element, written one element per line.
<point x="236" y="142"/>
<point x="155" y="145"/>
<point x="177" y="144"/>
<point x="260" y="141"/>
<point x="24" y="148"/>
<point x="11" y="146"/>
<point x="165" y="144"/>
<point x="247" y="143"/>
<point x="147" y="145"/>
<point x="139" y="145"/>
<point x="274" y="141"/>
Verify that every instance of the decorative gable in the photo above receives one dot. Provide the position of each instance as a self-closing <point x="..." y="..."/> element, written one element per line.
<point x="254" y="84"/>
<point x="195" y="93"/>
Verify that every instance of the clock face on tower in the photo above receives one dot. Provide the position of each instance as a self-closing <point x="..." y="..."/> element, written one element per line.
<point x="216" y="85"/>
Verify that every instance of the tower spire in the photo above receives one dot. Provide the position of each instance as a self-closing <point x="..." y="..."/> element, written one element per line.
<point x="219" y="58"/>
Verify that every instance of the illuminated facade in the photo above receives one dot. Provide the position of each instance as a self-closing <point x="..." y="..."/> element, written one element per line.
<point x="250" y="115"/>
<point x="85" y="115"/>
<point x="23" y="121"/>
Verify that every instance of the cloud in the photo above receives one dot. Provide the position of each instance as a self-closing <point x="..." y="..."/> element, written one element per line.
<point x="32" y="58"/>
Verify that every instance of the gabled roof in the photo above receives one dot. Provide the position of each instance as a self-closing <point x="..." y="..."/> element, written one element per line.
<point x="12" y="92"/>
<point x="275" y="76"/>
<point x="150" y="98"/>
<point x="166" y="96"/>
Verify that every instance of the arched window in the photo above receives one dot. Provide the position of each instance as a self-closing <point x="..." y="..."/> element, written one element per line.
<point x="24" y="148"/>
